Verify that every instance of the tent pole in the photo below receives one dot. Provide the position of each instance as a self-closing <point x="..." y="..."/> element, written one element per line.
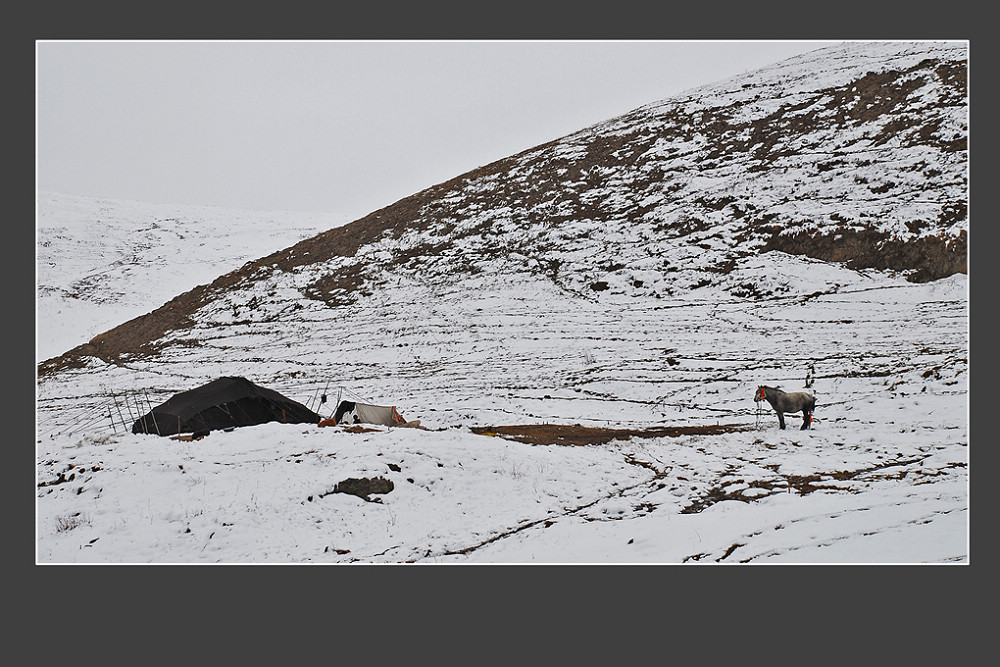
<point x="138" y="407"/>
<point x="128" y="408"/>
<point x="115" y="398"/>
<point x="322" y="399"/>
<point x="150" y="405"/>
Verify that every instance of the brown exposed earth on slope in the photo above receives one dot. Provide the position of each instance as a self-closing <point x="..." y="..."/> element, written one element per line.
<point x="926" y="258"/>
<point x="928" y="255"/>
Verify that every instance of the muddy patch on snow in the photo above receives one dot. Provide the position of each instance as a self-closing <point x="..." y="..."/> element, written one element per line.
<point x="562" y="434"/>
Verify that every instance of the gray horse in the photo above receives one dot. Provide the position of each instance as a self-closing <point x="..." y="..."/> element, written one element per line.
<point x="783" y="402"/>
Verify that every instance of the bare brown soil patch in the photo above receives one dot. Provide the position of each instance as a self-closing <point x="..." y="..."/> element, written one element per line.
<point x="925" y="259"/>
<point x="361" y="487"/>
<point x="361" y="429"/>
<point x="563" y="434"/>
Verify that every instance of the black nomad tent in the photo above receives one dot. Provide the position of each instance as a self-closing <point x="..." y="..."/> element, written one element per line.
<point x="221" y="404"/>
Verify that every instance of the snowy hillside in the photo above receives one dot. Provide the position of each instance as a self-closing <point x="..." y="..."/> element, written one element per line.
<point x="630" y="284"/>
<point x="99" y="262"/>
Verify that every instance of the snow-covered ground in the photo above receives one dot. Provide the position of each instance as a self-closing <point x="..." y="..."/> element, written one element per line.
<point x="264" y="495"/>
<point x="881" y="478"/>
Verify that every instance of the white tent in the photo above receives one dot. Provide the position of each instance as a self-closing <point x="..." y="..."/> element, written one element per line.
<point x="351" y="412"/>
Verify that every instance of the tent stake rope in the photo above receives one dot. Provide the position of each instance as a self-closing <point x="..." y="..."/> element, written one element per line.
<point x="360" y="398"/>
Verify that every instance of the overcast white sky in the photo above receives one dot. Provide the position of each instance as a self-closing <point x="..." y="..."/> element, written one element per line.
<point x="346" y="126"/>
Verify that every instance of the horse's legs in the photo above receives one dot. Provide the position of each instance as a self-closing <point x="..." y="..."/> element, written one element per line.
<point x="806" y="419"/>
<point x="781" y="419"/>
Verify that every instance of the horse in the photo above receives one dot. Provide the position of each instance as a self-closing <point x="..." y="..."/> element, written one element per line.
<point x="783" y="402"/>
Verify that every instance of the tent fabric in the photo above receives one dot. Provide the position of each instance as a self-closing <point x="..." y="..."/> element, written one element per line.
<point x="350" y="412"/>
<point x="226" y="402"/>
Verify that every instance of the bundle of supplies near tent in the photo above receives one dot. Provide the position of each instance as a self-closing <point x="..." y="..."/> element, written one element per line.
<point x="222" y="404"/>
<point x="352" y="412"/>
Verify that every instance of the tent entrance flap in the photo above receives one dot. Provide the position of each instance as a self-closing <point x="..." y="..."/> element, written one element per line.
<point x="351" y="412"/>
